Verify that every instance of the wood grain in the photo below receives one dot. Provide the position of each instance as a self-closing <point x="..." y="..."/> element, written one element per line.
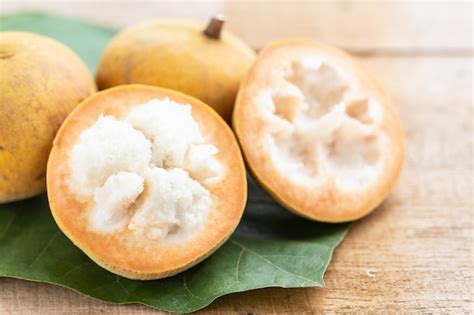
<point x="393" y="27"/>
<point x="415" y="253"/>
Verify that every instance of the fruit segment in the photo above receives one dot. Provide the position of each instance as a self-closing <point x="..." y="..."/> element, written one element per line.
<point x="318" y="132"/>
<point x="152" y="147"/>
<point x="146" y="181"/>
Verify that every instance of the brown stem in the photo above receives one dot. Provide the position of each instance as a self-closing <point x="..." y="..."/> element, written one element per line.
<point x="214" y="28"/>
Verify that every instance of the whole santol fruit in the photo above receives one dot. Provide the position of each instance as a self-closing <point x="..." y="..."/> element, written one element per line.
<point x="41" y="81"/>
<point x="318" y="131"/>
<point x="181" y="55"/>
<point x="146" y="181"/>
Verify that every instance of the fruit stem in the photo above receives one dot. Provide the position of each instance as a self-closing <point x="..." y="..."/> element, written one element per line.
<point x="214" y="28"/>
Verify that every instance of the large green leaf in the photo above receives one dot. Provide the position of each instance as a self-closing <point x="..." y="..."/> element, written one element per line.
<point x="271" y="246"/>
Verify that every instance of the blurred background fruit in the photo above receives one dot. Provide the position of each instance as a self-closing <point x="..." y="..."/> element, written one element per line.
<point x="41" y="81"/>
<point x="205" y="62"/>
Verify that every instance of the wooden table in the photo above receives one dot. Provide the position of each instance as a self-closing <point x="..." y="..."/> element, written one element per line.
<point x="415" y="253"/>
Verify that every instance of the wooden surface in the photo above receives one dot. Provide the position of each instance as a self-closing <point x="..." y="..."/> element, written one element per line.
<point x="415" y="253"/>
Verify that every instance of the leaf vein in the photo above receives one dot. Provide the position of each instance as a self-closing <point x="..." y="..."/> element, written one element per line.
<point x="117" y="279"/>
<point x="270" y="262"/>
<point x="185" y="284"/>
<point x="48" y="245"/>
<point x="7" y="226"/>
<point x="73" y="269"/>
<point x="238" y="264"/>
<point x="274" y="276"/>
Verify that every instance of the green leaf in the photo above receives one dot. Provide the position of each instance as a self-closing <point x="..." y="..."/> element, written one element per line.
<point x="271" y="246"/>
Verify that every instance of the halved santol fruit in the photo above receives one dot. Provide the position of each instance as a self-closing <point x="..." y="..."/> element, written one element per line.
<point x="318" y="131"/>
<point x="41" y="81"/>
<point x="146" y="181"/>
<point x="205" y="62"/>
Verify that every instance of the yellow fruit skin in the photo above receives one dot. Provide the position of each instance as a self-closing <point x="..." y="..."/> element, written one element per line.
<point x="41" y="81"/>
<point x="177" y="55"/>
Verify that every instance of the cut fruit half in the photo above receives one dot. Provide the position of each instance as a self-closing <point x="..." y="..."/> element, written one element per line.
<point x="146" y="181"/>
<point x="318" y="131"/>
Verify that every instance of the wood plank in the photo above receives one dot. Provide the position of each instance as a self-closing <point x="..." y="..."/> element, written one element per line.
<point x="414" y="254"/>
<point x="359" y="26"/>
<point x="365" y="27"/>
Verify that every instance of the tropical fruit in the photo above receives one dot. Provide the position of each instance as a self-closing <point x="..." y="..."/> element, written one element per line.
<point x="318" y="132"/>
<point x="146" y="181"/>
<point x="41" y="81"/>
<point x="181" y="55"/>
